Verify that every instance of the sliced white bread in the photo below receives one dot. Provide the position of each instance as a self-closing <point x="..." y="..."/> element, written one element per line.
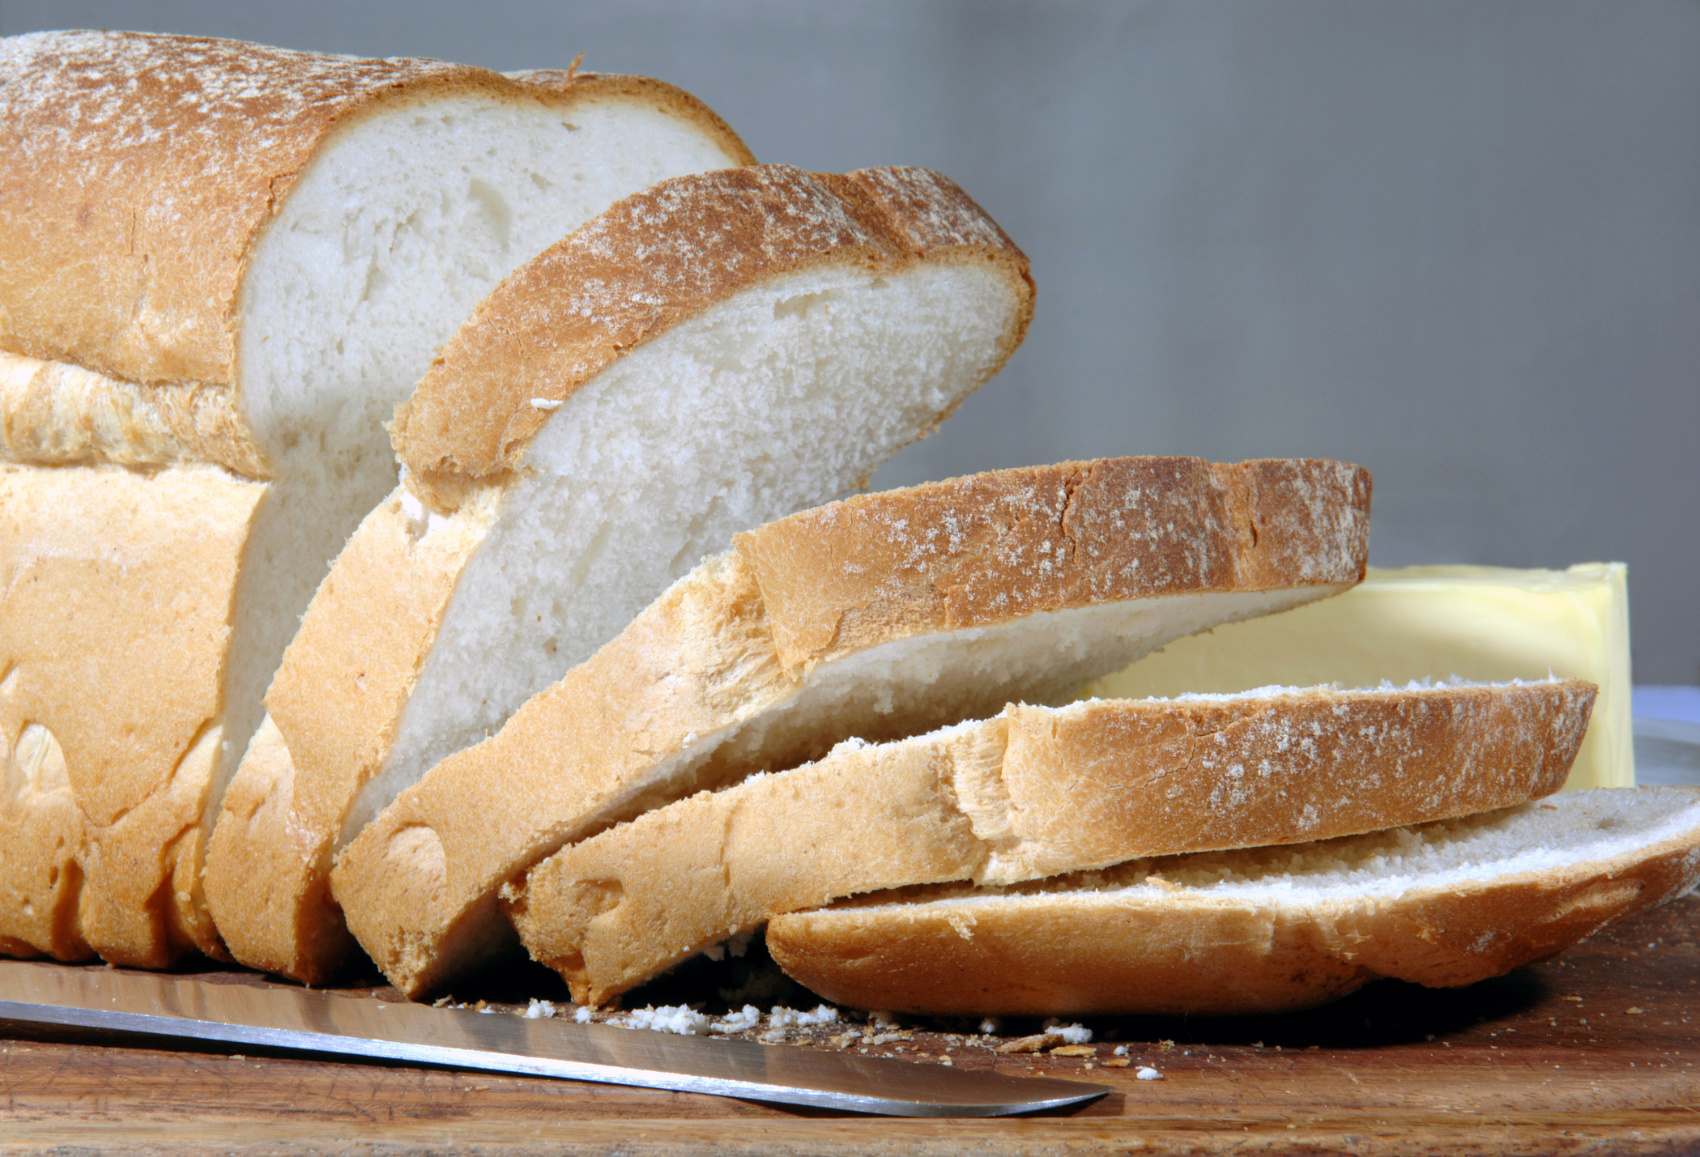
<point x="219" y="254"/>
<point x="1035" y="792"/>
<point x="878" y="617"/>
<point x="1262" y="930"/>
<point x="708" y="355"/>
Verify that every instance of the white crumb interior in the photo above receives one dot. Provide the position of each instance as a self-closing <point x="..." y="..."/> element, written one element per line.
<point x="782" y="397"/>
<point x="402" y="223"/>
<point x="1565" y="831"/>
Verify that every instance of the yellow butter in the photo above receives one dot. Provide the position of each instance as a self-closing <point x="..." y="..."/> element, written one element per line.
<point x="1479" y="623"/>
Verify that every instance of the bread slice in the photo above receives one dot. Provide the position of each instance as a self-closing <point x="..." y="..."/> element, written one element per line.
<point x="708" y="355"/>
<point x="1264" y="930"/>
<point x="878" y="617"/>
<point x="220" y="254"/>
<point x="1034" y="792"/>
<point x="1482" y="623"/>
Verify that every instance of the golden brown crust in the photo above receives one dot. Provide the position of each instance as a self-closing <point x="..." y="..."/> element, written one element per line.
<point x="1040" y="791"/>
<point x="142" y="168"/>
<point x="616" y="909"/>
<point x="705" y="656"/>
<point x="1115" y="779"/>
<point x="115" y="651"/>
<point x="992" y="547"/>
<point x="1080" y="952"/>
<point x="334" y="703"/>
<point x="619" y="282"/>
<point x="54" y="414"/>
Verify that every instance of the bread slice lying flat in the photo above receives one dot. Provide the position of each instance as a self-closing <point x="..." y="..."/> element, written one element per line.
<point x="1263" y="930"/>
<point x="879" y="617"/>
<point x="1034" y="792"/>
<point x="707" y="355"/>
<point x="221" y="255"/>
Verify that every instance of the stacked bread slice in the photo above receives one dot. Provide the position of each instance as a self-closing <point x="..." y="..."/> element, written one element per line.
<point x="1262" y="929"/>
<point x="1033" y="793"/>
<point x="221" y="268"/>
<point x="873" y="618"/>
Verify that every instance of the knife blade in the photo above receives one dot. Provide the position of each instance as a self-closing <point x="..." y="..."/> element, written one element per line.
<point x="326" y="1021"/>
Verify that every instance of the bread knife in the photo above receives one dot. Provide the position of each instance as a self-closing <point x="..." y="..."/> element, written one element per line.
<point x="241" y="1011"/>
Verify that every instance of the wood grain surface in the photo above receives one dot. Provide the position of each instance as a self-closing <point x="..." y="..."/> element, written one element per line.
<point x="1593" y="1052"/>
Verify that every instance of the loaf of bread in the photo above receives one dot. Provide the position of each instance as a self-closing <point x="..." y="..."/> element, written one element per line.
<point x="707" y="355"/>
<point x="877" y="617"/>
<point x="221" y="267"/>
<point x="1035" y="792"/>
<point x="1263" y="930"/>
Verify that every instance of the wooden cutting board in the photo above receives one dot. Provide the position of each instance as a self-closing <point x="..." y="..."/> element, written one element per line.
<point x="1594" y="1052"/>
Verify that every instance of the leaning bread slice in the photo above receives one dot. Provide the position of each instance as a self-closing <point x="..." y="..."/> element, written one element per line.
<point x="216" y="254"/>
<point x="1262" y="930"/>
<point x="879" y="617"/>
<point x="1035" y="792"/>
<point x="707" y="355"/>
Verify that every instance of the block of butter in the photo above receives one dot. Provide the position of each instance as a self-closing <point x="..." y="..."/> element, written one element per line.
<point x="1479" y="623"/>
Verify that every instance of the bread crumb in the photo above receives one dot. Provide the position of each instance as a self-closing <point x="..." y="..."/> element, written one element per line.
<point x="673" y="1018"/>
<point x="1074" y="1051"/>
<point x="743" y="1020"/>
<point x="1117" y="1063"/>
<point x="1024" y="1044"/>
<point x="781" y="1017"/>
<point x="1074" y="1034"/>
<point x="1147" y="1073"/>
<point x="539" y="1009"/>
<point x="1635" y="1011"/>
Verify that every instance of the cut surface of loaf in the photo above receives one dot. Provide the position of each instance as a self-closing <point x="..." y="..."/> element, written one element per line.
<point x="1035" y="792"/>
<point x="214" y="253"/>
<point x="1261" y="930"/>
<point x="877" y="617"/>
<point x="707" y="355"/>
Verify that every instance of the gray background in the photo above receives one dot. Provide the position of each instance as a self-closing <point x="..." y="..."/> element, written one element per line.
<point x="1458" y="243"/>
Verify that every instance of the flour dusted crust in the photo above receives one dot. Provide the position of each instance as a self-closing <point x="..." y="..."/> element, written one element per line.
<point x="141" y="169"/>
<point x="653" y="260"/>
<point x="99" y="832"/>
<point x="713" y="652"/>
<point x="991" y="547"/>
<point x="1035" y="792"/>
<point x="1136" y="941"/>
<point x="332" y="709"/>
